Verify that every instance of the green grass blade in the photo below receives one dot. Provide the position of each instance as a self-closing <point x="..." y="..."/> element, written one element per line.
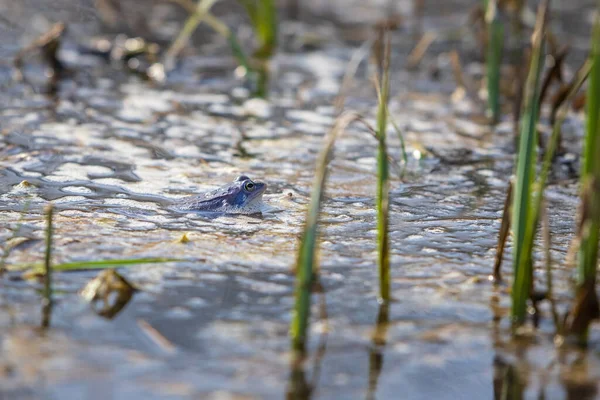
<point x="538" y="196"/>
<point x="578" y="81"/>
<point x="495" y="43"/>
<point x="202" y="9"/>
<point x="526" y="161"/>
<point x="105" y="264"/>
<point x="92" y="265"/>
<point x="306" y="263"/>
<point x="198" y="14"/>
<point x="238" y="53"/>
<point x="402" y="144"/>
<point x="586" y="307"/>
<point x="263" y="15"/>
<point x="590" y="171"/>
<point x="383" y="260"/>
<point x="47" y="304"/>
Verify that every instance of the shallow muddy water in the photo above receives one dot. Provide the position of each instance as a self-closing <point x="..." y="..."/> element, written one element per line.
<point x="112" y="151"/>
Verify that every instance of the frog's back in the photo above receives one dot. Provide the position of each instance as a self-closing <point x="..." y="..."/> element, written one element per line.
<point x="241" y="196"/>
<point x="215" y="201"/>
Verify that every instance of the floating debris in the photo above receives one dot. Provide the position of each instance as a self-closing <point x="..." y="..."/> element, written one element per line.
<point x="108" y="293"/>
<point x="184" y="238"/>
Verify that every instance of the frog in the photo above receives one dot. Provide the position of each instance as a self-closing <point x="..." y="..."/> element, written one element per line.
<point x="242" y="196"/>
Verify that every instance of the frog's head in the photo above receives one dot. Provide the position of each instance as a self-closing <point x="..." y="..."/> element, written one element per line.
<point x="246" y="194"/>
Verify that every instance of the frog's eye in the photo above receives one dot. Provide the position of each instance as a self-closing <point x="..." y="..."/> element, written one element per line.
<point x="249" y="186"/>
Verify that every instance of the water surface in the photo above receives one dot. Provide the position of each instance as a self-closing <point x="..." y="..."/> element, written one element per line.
<point x="112" y="151"/>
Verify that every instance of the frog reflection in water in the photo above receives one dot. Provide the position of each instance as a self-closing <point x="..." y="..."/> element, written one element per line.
<point x="242" y="196"/>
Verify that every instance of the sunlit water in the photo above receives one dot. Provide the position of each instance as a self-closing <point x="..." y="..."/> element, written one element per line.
<point x="114" y="152"/>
